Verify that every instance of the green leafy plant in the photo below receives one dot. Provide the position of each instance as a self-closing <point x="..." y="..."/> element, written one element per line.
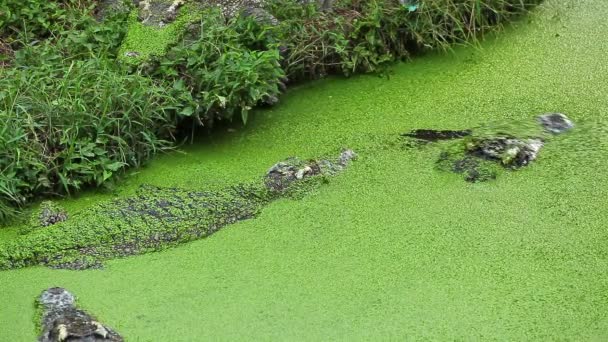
<point x="68" y="126"/>
<point x="366" y="36"/>
<point x="215" y="74"/>
<point x="31" y="20"/>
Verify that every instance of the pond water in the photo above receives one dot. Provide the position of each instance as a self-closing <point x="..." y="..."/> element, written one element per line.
<point x="391" y="247"/>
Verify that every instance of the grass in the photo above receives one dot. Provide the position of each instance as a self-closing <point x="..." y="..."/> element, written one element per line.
<point x="67" y="126"/>
<point x="391" y="247"/>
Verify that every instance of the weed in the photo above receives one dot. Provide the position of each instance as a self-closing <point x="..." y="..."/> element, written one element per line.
<point x="68" y="126"/>
<point x="214" y="72"/>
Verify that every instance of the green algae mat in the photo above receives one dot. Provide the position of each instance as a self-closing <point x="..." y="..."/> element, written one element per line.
<point x="391" y="247"/>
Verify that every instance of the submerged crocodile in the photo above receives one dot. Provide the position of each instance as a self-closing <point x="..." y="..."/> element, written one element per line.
<point x="480" y="153"/>
<point x="62" y="320"/>
<point x="156" y="218"/>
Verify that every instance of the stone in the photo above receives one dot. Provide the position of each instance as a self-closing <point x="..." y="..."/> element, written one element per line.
<point x="104" y="8"/>
<point x="62" y="321"/>
<point x="555" y="123"/>
<point x="260" y="15"/>
<point x="158" y="12"/>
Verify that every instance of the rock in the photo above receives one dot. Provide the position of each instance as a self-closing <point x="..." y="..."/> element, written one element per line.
<point x="62" y="321"/>
<point x="158" y="13"/>
<point x="104" y="8"/>
<point x="260" y="15"/>
<point x="555" y="123"/>
<point x="270" y="100"/>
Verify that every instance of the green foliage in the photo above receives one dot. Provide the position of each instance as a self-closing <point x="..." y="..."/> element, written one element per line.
<point x="66" y="126"/>
<point x="33" y="19"/>
<point x="93" y="39"/>
<point x="214" y="72"/>
<point x="366" y="36"/>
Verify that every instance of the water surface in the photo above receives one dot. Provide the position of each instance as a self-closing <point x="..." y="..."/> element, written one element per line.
<point x="391" y="247"/>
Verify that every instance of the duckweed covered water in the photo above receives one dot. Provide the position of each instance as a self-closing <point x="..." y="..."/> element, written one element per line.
<point x="391" y="247"/>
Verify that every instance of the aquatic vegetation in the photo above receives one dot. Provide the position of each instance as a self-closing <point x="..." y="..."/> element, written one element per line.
<point x="144" y="41"/>
<point x="392" y="248"/>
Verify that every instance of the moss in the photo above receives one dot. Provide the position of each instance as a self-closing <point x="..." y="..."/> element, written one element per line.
<point x="148" y="41"/>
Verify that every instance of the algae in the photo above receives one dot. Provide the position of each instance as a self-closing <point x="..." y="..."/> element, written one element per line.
<point x="391" y="249"/>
